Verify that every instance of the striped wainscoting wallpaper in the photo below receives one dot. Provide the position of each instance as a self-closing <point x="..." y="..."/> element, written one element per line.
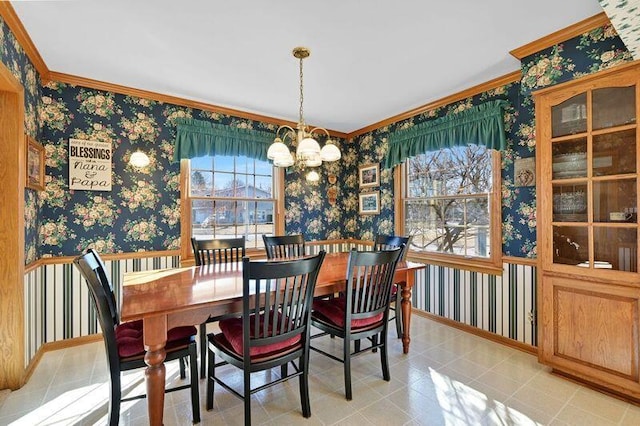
<point x="504" y="305"/>
<point x="57" y="301"/>
<point x="58" y="305"/>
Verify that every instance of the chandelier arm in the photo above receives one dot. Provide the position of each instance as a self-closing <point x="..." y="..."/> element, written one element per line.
<point x="320" y="129"/>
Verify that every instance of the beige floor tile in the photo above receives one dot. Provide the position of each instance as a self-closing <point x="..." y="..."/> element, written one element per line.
<point x="631" y="416"/>
<point x="573" y="415"/>
<point x="599" y="404"/>
<point x="384" y="412"/>
<point x="449" y="378"/>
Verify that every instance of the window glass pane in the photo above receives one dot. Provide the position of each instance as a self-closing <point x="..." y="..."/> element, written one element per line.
<point x="614" y="153"/>
<point x="263" y="186"/>
<point x="201" y="183"/>
<point x="614" y="106"/>
<point x="571" y="245"/>
<point x="263" y="168"/>
<point x="226" y="178"/>
<point x="615" y="201"/>
<point x="244" y="165"/>
<point x="224" y="184"/>
<point x="615" y="248"/>
<point x="438" y="209"/>
<point x="477" y="211"/>
<point x="223" y="163"/>
<point x="204" y="163"/>
<point x="570" y="116"/>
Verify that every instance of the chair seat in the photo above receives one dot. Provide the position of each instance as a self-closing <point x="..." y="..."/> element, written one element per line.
<point x="130" y="341"/>
<point x="334" y="311"/>
<point x="231" y="329"/>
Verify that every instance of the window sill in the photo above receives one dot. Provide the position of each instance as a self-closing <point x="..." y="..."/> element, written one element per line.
<point x="485" y="266"/>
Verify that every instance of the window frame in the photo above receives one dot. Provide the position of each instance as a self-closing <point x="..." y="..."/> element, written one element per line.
<point x="492" y="264"/>
<point x="186" y="251"/>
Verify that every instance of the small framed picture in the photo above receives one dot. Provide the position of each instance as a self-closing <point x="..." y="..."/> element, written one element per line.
<point x="369" y="203"/>
<point x="369" y="175"/>
<point x="34" y="164"/>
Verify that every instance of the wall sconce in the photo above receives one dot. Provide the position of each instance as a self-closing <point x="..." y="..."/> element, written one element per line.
<point x="139" y="159"/>
<point x="313" y="176"/>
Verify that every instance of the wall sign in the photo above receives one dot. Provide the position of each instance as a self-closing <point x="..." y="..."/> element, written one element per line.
<point x="89" y="165"/>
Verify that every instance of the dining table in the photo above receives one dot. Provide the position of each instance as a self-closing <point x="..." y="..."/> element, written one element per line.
<point x="168" y="298"/>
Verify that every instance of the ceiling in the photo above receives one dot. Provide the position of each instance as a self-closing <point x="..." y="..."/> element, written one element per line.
<point x="370" y="60"/>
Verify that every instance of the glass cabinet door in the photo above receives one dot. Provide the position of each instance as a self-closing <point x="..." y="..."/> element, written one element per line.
<point x="594" y="180"/>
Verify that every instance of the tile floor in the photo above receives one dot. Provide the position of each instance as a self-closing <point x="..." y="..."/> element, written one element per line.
<point x="449" y="378"/>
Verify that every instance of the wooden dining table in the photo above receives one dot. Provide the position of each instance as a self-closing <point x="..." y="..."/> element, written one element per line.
<point x="169" y="298"/>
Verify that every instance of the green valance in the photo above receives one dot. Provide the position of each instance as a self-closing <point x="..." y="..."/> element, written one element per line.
<point x="197" y="138"/>
<point x="480" y="125"/>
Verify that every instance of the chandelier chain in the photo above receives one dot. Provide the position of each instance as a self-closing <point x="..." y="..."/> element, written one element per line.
<point x="301" y="93"/>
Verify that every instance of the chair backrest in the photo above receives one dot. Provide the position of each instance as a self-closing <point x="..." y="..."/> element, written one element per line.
<point x="284" y="246"/>
<point x="285" y="290"/>
<point x="386" y="242"/>
<point x="369" y="283"/>
<point x="106" y="285"/>
<point x="221" y="250"/>
<point x="90" y="266"/>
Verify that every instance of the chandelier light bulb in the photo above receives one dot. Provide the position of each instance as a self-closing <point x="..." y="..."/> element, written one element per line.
<point x="308" y="152"/>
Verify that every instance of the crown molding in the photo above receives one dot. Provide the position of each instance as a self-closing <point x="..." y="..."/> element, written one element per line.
<point x="574" y="30"/>
<point x="15" y="25"/>
<point x="472" y="91"/>
<point x="146" y="94"/>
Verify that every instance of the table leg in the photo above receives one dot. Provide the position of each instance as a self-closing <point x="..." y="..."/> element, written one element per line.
<point x="406" y="317"/>
<point x="155" y="376"/>
<point x="155" y="336"/>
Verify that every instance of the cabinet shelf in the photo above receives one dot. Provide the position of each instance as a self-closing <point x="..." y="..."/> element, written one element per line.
<point x="589" y="295"/>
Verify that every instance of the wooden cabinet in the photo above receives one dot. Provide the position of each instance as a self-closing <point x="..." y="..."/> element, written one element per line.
<point x="588" y="159"/>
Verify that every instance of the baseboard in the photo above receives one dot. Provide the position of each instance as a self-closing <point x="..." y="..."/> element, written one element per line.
<point x="478" y="332"/>
<point x="54" y="346"/>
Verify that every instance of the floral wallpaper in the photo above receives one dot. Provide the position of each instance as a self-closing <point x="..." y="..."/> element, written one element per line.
<point x="593" y="51"/>
<point x="14" y="58"/>
<point x="142" y="211"/>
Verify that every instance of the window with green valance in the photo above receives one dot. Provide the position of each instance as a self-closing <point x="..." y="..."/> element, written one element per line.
<point x="479" y="125"/>
<point x="197" y="138"/>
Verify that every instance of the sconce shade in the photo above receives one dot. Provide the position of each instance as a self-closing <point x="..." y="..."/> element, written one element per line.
<point x="313" y="176"/>
<point x="139" y="159"/>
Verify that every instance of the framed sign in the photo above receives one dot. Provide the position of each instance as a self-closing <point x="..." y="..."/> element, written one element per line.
<point x="369" y="203"/>
<point x="89" y="165"/>
<point x="369" y="175"/>
<point x="34" y="164"/>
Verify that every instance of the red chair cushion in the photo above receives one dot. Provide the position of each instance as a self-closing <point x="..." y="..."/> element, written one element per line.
<point x="129" y="338"/>
<point x="334" y="311"/>
<point x="232" y="330"/>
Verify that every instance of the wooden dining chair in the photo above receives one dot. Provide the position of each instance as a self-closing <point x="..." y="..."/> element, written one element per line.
<point x="362" y="311"/>
<point x="210" y="252"/>
<point x="284" y="246"/>
<point x="124" y="341"/>
<point x="386" y="242"/>
<point x="273" y="330"/>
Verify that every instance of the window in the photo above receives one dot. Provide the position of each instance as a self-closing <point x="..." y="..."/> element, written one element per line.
<point x="451" y="207"/>
<point x="230" y="197"/>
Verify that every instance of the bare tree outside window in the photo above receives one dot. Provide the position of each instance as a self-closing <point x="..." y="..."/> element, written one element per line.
<point x="447" y="204"/>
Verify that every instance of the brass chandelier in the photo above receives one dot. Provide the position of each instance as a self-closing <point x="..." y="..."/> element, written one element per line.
<point x="308" y="152"/>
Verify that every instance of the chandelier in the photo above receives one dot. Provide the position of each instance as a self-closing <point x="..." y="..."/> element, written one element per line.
<point x="308" y="152"/>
